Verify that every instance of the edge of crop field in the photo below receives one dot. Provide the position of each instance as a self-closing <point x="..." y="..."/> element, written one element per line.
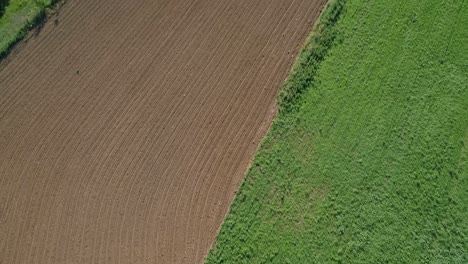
<point x="33" y="19"/>
<point x="302" y="74"/>
<point x="322" y="38"/>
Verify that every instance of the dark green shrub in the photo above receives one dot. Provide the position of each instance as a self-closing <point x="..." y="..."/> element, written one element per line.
<point x="3" y="5"/>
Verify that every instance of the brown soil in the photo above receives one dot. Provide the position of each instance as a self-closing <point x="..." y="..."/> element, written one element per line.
<point x="127" y="126"/>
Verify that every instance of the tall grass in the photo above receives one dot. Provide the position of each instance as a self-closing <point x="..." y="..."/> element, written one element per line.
<point x="317" y="46"/>
<point x="19" y="17"/>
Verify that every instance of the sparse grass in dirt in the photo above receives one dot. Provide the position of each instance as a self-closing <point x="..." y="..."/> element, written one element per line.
<point x="369" y="164"/>
<point x="18" y="17"/>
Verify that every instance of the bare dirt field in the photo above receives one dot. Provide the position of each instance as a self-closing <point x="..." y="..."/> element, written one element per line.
<point x="127" y="126"/>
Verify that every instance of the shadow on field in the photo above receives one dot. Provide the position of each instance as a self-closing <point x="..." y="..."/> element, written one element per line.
<point x="3" y="5"/>
<point x="44" y="16"/>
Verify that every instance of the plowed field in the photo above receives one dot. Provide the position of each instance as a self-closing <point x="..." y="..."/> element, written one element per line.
<point x="127" y="126"/>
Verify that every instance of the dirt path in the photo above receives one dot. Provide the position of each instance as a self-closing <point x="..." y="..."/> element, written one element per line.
<point x="127" y="126"/>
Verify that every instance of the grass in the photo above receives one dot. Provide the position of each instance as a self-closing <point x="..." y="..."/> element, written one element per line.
<point x="18" y="18"/>
<point x="367" y="161"/>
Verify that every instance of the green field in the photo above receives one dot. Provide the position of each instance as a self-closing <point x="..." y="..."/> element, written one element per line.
<point x="17" y="18"/>
<point x="367" y="162"/>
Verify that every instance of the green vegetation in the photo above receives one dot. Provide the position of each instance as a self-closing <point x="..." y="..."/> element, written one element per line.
<point x="3" y="4"/>
<point x="19" y="16"/>
<point x="369" y="162"/>
<point x="319" y="43"/>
